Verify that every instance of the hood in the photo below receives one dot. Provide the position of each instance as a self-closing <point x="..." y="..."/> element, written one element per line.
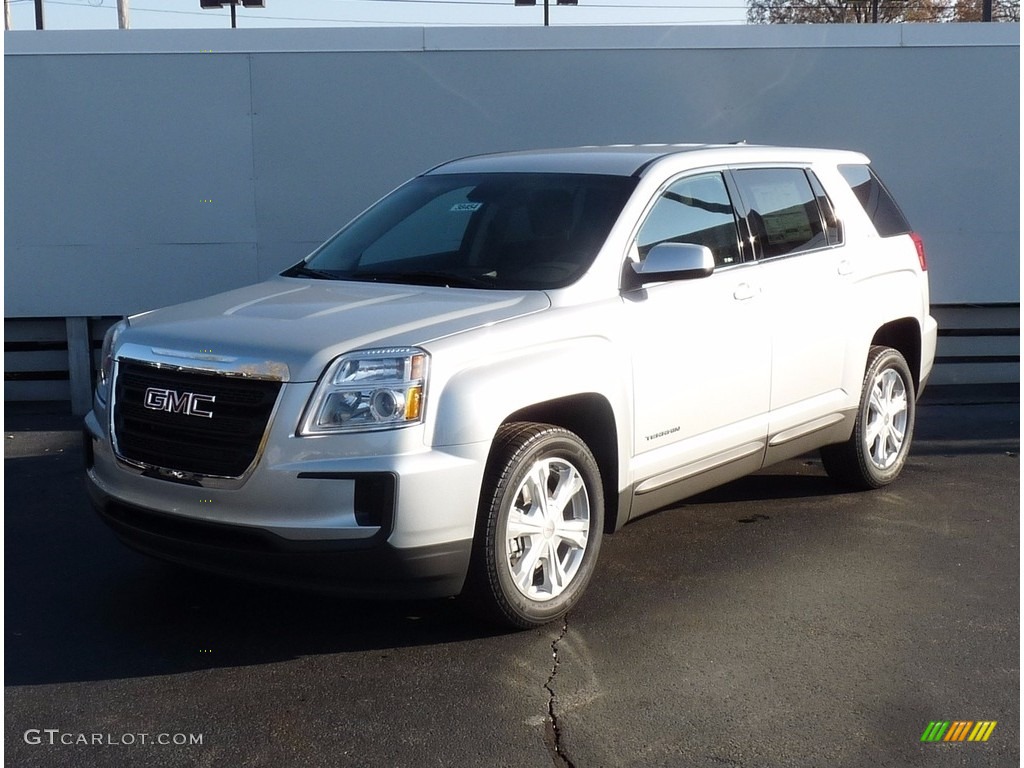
<point x="293" y="327"/>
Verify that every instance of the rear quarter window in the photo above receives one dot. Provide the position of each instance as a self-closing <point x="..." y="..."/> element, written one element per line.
<point x="878" y="203"/>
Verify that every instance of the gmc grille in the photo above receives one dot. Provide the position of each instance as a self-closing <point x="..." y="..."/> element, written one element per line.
<point x="223" y="445"/>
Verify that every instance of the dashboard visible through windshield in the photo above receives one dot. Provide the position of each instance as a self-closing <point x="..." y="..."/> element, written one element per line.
<point x="501" y="231"/>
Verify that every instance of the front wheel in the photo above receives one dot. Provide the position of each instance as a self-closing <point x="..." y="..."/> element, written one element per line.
<point x="539" y="527"/>
<point x="877" y="450"/>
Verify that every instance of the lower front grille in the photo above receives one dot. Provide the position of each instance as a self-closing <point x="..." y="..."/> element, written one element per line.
<point x="190" y="421"/>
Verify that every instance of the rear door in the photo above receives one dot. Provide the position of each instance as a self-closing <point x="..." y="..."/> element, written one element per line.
<point x="806" y="275"/>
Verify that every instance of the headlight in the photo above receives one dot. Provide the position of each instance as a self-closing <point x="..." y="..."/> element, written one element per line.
<point x="374" y="389"/>
<point x="107" y="359"/>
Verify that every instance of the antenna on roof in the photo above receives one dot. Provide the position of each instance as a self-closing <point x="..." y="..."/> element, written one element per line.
<point x="741" y="141"/>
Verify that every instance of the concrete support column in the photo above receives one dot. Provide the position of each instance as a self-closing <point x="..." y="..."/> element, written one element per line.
<point x="79" y="364"/>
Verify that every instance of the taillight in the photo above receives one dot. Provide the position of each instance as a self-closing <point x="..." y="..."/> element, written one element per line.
<point x="919" y="244"/>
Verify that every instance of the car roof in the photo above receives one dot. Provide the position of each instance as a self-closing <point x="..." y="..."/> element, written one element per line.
<point x="633" y="159"/>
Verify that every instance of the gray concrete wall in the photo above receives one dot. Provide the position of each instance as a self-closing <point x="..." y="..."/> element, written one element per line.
<point x="144" y="168"/>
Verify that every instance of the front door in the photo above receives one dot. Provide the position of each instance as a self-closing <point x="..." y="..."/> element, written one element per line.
<point x="702" y="351"/>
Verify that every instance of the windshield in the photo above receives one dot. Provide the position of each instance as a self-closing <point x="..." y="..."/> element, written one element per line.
<point x="494" y="230"/>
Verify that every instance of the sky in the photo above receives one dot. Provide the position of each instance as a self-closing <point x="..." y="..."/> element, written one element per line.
<point x="167" y="14"/>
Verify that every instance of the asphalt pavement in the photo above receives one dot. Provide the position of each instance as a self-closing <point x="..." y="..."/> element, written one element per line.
<point x="777" y="621"/>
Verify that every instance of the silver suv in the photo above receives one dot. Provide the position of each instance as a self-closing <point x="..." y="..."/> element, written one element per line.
<point x="508" y="357"/>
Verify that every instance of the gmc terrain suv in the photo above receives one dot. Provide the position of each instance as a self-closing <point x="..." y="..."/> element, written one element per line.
<point x="508" y="357"/>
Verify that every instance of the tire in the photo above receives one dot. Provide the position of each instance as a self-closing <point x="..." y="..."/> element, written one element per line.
<point x="534" y="553"/>
<point x="877" y="450"/>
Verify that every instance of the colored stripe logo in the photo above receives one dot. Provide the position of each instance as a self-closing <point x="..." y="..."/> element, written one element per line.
<point x="958" y="730"/>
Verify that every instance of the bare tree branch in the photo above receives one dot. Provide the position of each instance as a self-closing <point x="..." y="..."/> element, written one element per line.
<point x="861" y="11"/>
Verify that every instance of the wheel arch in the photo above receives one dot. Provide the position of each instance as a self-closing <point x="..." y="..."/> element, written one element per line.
<point x="903" y="335"/>
<point x="591" y="418"/>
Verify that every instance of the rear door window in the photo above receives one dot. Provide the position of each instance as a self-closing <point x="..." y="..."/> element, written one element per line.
<point x="782" y="210"/>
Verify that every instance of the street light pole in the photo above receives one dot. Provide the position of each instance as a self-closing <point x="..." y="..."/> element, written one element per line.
<point x="39" y="14"/>
<point x="232" y="3"/>
<point x="7" y="14"/>
<point x="547" y="7"/>
<point x="122" y="15"/>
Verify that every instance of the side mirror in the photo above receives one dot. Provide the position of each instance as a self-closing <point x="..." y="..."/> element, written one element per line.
<point x="675" y="261"/>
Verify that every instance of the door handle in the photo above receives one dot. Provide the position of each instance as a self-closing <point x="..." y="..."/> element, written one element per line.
<point x="744" y="291"/>
<point x="845" y="268"/>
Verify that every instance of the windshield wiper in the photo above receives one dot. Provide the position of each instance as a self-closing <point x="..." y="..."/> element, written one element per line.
<point x="445" y="279"/>
<point x="302" y="269"/>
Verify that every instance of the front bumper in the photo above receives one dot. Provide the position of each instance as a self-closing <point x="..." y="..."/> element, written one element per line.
<point x="362" y="519"/>
<point x="929" y="340"/>
<point x="356" y="568"/>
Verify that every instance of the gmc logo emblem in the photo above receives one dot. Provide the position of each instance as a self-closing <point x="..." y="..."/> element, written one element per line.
<point x="188" y="403"/>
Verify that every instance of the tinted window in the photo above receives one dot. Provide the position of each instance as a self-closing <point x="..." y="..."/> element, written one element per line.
<point x="879" y="205"/>
<point x="783" y="212"/>
<point x="694" y="210"/>
<point x="437" y="227"/>
<point x="494" y="230"/>
<point x="833" y="227"/>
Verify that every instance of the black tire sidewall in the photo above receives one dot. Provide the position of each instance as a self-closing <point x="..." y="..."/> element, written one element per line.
<point x="514" y="604"/>
<point x="884" y="359"/>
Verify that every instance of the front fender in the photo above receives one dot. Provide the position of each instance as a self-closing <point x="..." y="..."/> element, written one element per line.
<point x="475" y="401"/>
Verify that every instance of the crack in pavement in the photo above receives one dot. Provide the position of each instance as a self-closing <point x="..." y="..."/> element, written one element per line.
<point x="552" y="732"/>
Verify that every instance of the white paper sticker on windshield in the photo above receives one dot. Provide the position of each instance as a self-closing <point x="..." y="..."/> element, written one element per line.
<point x="467" y="206"/>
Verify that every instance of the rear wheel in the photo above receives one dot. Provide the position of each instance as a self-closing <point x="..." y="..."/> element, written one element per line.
<point x="877" y="450"/>
<point x="539" y="527"/>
